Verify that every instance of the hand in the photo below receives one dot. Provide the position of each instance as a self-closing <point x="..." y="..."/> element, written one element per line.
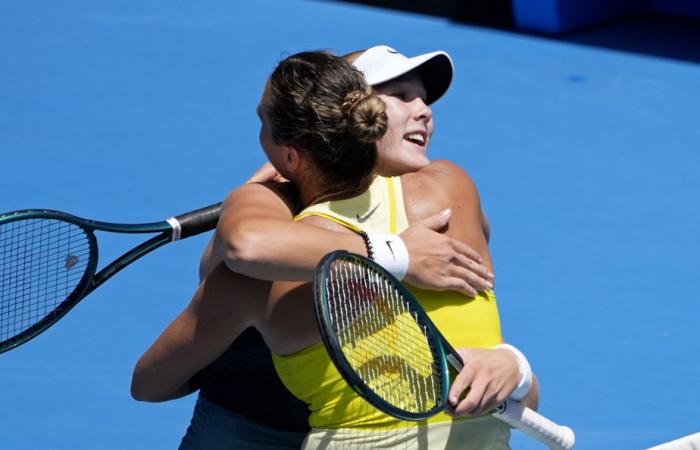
<point x="265" y="174"/>
<point x="488" y="378"/>
<point x="438" y="262"/>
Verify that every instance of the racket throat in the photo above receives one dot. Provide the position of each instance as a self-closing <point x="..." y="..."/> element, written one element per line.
<point x="455" y="361"/>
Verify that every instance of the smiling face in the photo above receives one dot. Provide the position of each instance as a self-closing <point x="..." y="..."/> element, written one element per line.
<point x="404" y="147"/>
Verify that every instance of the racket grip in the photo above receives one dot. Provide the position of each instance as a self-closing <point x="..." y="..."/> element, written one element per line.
<point x="198" y="221"/>
<point x="557" y="437"/>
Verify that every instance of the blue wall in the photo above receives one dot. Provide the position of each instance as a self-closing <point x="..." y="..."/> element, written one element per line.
<point x="561" y="16"/>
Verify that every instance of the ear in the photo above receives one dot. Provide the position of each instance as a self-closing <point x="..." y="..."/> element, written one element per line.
<point x="294" y="159"/>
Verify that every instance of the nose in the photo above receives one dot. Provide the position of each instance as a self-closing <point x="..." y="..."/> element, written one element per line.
<point x="421" y="111"/>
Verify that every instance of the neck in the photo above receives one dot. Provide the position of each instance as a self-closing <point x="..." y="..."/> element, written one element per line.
<point x="334" y="193"/>
<point x="310" y="189"/>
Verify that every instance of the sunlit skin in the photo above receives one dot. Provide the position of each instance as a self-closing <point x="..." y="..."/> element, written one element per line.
<point x="404" y="148"/>
<point x="261" y="216"/>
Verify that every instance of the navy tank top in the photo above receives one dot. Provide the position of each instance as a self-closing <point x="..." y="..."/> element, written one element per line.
<point x="243" y="380"/>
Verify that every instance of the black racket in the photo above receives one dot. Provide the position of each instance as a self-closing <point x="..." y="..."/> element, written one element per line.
<point x="390" y="352"/>
<point x="48" y="263"/>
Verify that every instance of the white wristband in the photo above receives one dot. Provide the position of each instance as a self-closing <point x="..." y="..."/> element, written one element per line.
<point x="525" y="383"/>
<point x="389" y="251"/>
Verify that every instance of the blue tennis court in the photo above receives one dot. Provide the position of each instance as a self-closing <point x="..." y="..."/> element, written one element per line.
<point x="584" y="149"/>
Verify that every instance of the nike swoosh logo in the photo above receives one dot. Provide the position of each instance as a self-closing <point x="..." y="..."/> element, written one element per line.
<point x="388" y="244"/>
<point x="363" y="219"/>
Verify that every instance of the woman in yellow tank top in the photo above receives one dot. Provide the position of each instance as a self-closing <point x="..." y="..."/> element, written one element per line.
<point x="286" y="320"/>
<point x="338" y="416"/>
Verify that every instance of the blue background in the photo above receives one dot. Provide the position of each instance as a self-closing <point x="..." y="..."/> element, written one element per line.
<point x="585" y="156"/>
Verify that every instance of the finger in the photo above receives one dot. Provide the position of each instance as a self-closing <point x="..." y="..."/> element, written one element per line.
<point x="458" y="285"/>
<point x="467" y="251"/>
<point x="471" y="278"/>
<point x="279" y="178"/>
<point x="472" y="403"/>
<point x="460" y="385"/>
<point x="439" y="220"/>
<point x="491" y="402"/>
<point x="487" y="402"/>
<point x="472" y="255"/>
<point x="478" y="269"/>
<point x="264" y="173"/>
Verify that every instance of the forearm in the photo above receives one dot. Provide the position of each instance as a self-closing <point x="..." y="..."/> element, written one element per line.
<point x="280" y="250"/>
<point x="148" y="387"/>
<point x="212" y="256"/>
<point x="532" y="399"/>
<point x="164" y="372"/>
<point x="256" y="236"/>
<point x="202" y="332"/>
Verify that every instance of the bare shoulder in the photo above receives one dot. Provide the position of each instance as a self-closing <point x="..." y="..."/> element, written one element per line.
<point x="442" y="184"/>
<point x="277" y="199"/>
<point x="449" y="175"/>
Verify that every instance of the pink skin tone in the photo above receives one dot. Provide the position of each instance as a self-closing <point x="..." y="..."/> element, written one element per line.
<point x="404" y="148"/>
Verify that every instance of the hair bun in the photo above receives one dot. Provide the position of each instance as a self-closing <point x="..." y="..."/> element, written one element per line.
<point x="365" y="114"/>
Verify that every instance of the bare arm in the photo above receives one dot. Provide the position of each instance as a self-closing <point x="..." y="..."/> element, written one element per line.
<point x="202" y="332"/>
<point x="532" y="399"/>
<point x="489" y="375"/>
<point x="256" y="237"/>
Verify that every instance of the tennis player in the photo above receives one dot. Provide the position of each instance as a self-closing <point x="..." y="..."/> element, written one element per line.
<point x="227" y="412"/>
<point x="304" y="194"/>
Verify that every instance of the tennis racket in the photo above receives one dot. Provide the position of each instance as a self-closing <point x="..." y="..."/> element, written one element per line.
<point x="390" y="352"/>
<point x="48" y="263"/>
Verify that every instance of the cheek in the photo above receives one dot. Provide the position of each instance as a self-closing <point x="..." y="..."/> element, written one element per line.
<point x="388" y="147"/>
<point x="265" y="139"/>
<point x="394" y="112"/>
<point x="393" y="115"/>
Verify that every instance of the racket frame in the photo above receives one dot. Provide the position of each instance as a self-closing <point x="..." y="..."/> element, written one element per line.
<point x="436" y="342"/>
<point x="555" y="436"/>
<point x="191" y="223"/>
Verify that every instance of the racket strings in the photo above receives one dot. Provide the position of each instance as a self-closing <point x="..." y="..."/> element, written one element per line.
<point x="41" y="263"/>
<point x="382" y="339"/>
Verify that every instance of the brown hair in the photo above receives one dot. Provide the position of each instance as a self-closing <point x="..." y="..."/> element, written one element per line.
<point x="321" y="105"/>
<point x="352" y="56"/>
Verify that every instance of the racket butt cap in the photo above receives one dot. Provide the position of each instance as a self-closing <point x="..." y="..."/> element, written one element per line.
<point x="568" y="438"/>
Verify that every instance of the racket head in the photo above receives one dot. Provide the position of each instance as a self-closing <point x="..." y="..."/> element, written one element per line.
<point x="380" y="338"/>
<point x="47" y="261"/>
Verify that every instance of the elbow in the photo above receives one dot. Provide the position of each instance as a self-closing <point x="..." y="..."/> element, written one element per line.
<point x="139" y="395"/>
<point x="144" y="394"/>
<point x="142" y="389"/>
<point x="139" y="392"/>
<point x="242" y="249"/>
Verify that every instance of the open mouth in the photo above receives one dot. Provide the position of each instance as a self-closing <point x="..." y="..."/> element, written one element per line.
<point x="416" y="138"/>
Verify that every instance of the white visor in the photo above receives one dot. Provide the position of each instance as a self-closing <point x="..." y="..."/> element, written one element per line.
<point x="382" y="63"/>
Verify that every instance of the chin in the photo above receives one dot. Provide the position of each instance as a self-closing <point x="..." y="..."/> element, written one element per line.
<point x="395" y="168"/>
<point x="418" y="165"/>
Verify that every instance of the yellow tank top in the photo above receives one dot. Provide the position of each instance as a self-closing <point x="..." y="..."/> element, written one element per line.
<point x="309" y="373"/>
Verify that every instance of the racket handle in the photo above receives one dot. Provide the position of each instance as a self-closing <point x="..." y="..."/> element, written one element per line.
<point x="554" y="436"/>
<point x="196" y="222"/>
